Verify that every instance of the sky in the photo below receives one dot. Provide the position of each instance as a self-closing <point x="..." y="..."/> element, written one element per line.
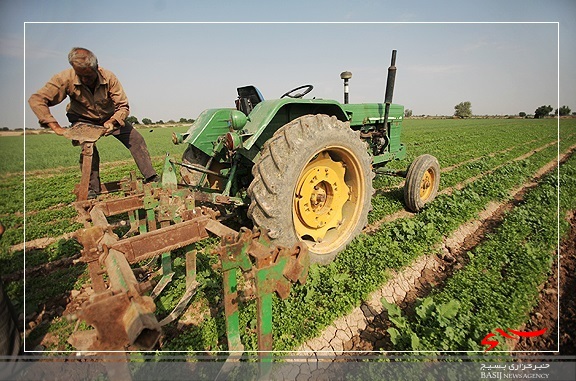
<point x="177" y="58"/>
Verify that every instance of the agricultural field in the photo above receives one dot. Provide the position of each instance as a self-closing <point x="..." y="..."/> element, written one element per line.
<point x="482" y="256"/>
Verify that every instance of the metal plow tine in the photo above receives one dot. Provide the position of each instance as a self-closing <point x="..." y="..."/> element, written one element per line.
<point x="182" y="304"/>
<point x="161" y="285"/>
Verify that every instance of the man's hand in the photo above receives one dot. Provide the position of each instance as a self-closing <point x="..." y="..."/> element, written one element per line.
<point x="110" y="127"/>
<point x="55" y="126"/>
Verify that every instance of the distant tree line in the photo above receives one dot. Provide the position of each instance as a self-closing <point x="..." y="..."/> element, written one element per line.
<point x="147" y="121"/>
<point x="461" y="110"/>
<point x="544" y="111"/>
<point x="464" y="110"/>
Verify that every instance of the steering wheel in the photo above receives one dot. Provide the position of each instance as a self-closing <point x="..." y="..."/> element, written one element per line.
<point x="308" y="88"/>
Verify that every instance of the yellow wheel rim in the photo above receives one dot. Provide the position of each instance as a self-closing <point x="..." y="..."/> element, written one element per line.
<point x="328" y="199"/>
<point x="427" y="184"/>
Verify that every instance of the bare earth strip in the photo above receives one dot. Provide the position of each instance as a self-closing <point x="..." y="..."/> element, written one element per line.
<point x="344" y="334"/>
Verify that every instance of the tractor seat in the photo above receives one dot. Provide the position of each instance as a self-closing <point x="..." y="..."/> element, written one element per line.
<point x="248" y="97"/>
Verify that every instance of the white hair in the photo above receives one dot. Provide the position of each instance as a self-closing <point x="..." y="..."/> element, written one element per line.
<point x="82" y="58"/>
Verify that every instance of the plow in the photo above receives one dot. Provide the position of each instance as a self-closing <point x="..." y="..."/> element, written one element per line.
<point x="295" y="174"/>
<point x="121" y="310"/>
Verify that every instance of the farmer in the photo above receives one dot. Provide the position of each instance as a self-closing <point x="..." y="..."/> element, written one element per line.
<point x="96" y="97"/>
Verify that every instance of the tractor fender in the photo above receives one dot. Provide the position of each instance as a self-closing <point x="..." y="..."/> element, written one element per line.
<point x="269" y="116"/>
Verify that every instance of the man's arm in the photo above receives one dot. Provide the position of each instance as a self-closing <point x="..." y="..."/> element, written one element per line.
<point x="53" y="93"/>
<point x="55" y="126"/>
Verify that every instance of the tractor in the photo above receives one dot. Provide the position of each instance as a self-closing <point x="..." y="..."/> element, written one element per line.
<point x="299" y="169"/>
<point x="303" y="167"/>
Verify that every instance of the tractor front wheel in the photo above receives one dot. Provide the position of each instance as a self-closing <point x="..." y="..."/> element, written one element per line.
<point x="422" y="181"/>
<point x="312" y="183"/>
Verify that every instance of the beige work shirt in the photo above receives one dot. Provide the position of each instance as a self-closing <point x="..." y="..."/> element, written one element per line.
<point x="107" y="102"/>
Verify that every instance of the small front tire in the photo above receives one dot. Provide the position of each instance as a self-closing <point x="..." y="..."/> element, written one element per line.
<point x="422" y="181"/>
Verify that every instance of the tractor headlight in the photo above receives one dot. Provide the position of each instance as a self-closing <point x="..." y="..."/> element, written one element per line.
<point x="237" y="119"/>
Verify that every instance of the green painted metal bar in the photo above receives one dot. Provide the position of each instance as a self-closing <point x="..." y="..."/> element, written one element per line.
<point x="264" y="320"/>
<point x="231" y="310"/>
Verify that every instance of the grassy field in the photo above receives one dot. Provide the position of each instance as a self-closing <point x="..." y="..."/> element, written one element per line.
<point x="483" y="159"/>
<point x="49" y="151"/>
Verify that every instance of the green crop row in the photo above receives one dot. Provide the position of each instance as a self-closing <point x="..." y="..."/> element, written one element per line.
<point x="500" y="284"/>
<point x="388" y="202"/>
<point x="472" y="138"/>
<point x="477" y="143"/>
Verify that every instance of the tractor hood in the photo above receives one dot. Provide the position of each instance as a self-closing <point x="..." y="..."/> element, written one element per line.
<point x="266" y="116"/>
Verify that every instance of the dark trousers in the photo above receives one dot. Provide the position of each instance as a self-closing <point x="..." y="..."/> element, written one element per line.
<point x="135" y="143"/>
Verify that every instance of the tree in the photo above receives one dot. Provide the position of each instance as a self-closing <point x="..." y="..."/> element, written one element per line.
<point x="407" y="113"/>
<point x="564" y="110"/>
<point x="132" y="119"/>
<point x="463" y="109"/>
<point x="146" y="121"/>
<point x="542" y="111"/>
<point x="522" y="114"/>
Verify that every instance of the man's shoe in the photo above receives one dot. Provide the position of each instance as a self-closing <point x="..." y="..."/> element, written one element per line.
<point x="152" y="179"/>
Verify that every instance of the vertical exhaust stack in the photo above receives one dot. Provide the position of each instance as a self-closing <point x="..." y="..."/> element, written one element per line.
<point x="345" y="75"/>
<point x="389" y="88"/>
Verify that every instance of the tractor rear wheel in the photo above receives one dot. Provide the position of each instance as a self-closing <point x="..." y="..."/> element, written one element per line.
<point x="422" y="181"/>
<point x="312" y="183"/>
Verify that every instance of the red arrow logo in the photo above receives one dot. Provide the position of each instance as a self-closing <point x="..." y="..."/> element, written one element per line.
<point x="493" y="343"/>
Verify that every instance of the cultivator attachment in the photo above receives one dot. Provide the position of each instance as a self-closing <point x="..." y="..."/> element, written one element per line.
<point x="162" y="219"/>
<point x="272" y="269"/>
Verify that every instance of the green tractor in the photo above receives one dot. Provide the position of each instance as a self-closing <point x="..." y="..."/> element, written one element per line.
<point x="303" y="167"/>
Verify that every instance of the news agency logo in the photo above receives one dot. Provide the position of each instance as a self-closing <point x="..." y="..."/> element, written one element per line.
<point x="493" y="343"/>
<point x="514" y="371"/>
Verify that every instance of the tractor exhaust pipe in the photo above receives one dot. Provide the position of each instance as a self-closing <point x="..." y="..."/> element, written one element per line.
<point x="389" y="88"/>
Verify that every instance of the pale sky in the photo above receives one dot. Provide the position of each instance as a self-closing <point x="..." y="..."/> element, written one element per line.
<point x="177" y="58"/>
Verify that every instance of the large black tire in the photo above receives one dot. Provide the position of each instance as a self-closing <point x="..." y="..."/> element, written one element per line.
<point x="422" y="181"/>
<point x="313" y="183"/>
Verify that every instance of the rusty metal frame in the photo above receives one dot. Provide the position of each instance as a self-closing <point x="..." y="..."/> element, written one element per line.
<point x="122" y="316"/>
<point x="164" y="218"/>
